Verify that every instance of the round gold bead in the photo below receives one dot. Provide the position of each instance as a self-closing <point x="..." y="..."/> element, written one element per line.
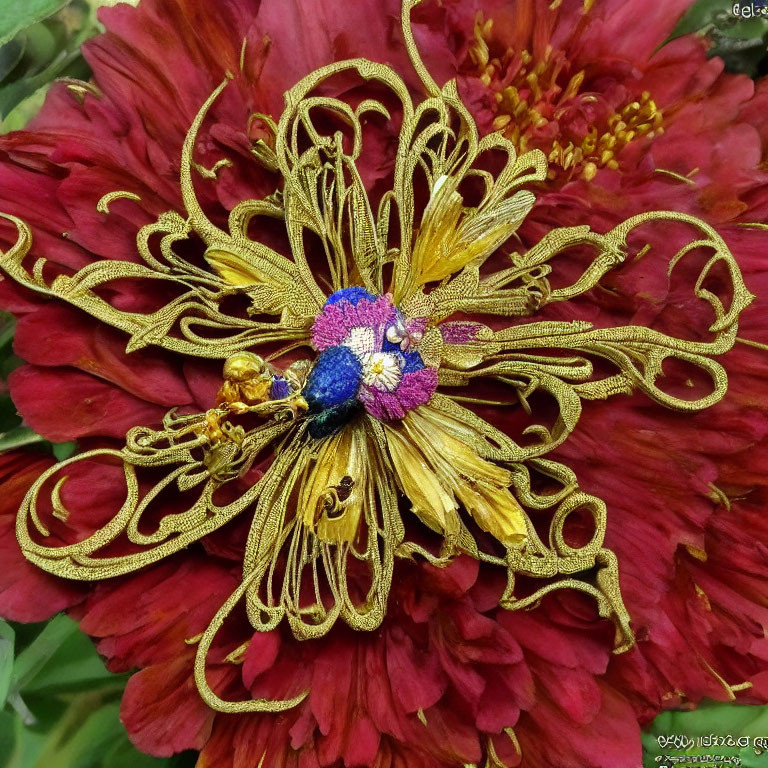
<point x="243" y="366"/>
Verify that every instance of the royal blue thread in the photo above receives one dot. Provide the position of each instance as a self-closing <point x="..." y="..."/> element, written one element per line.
<point x="353" y="295"/>
<point x="334" y="379"/>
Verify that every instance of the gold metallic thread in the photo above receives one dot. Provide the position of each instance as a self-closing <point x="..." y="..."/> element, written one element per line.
<point x="322" y="504"/>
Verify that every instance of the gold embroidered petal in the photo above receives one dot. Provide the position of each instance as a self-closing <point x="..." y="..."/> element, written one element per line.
<point x="450" y="239"/>
<point x="430" y="501"/>
<point x="199" y="465"/>
<point x="332" y="493"/>
<point x="481" y="486"/>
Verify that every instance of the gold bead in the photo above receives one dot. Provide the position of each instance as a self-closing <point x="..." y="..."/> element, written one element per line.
<point x="243" y="366"/>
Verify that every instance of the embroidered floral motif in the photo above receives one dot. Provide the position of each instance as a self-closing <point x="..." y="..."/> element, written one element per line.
<point x="367" y="355"/>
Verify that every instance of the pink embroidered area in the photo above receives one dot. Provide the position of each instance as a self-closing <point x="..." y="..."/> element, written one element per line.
<point x="460" y="332"/>
<point x="415" y="389"/>
<point x="333" y="325"/>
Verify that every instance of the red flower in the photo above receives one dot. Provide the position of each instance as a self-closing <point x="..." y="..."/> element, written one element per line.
<point x="448" y="675"/>
<point x="685" y="511"/>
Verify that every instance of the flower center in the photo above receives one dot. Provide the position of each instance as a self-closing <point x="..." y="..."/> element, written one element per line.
<point x="540" y="104"/>
<point x="383" y="370"/>
<point x="368" y="360"/>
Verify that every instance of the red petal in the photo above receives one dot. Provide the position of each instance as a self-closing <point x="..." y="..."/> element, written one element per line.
<point x="58" y="335"/>
<point x="163" y="711"/>
<point x="63" y="404"/>
<point x="26" y="592"/>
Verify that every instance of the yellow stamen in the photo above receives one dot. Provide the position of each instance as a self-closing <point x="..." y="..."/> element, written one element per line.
<point x="539" y="93"/>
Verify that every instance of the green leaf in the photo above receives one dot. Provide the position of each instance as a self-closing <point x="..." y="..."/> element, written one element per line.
<point x="69" y="716"/>
<point x="15" y="15"/>
<point x="125" y="755"/>
<point x="7" y="329"/>
<point x="9" y="418"/>
<point x="98" y="727"/>
<point x="7" y="733"/>
<point x="74" y="666"/>
<point x="42" y="43"/>
<point x="7" y="645"/>
<point x="740" y="42"/>
<point x="702" y="15"/>
<point x="10" y="55"/>
<point x="69" y="63"/>
<point x="24" y="111"/>
<point x="33" y="658"/>
<point x="706" y="16"/>
<point x="63" y="451"/>
<point x="18" y="438"/>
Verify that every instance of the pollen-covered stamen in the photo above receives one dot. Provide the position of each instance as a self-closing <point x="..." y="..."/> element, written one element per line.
<point x="542" y="104"/>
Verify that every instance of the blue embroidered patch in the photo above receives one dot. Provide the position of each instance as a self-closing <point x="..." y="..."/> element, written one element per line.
<point x="353" y="295"/>
<point x="334" y="379"/>
<point x="280" y="388"/>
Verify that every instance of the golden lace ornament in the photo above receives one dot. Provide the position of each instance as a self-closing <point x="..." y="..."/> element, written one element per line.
<point x="374" y="455"/>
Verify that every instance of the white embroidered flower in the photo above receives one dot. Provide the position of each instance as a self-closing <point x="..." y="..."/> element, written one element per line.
<point x="382" y="370"/>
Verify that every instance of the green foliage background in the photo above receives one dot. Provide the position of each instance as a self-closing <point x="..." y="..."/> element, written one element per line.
<point x="59" y="706"/>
